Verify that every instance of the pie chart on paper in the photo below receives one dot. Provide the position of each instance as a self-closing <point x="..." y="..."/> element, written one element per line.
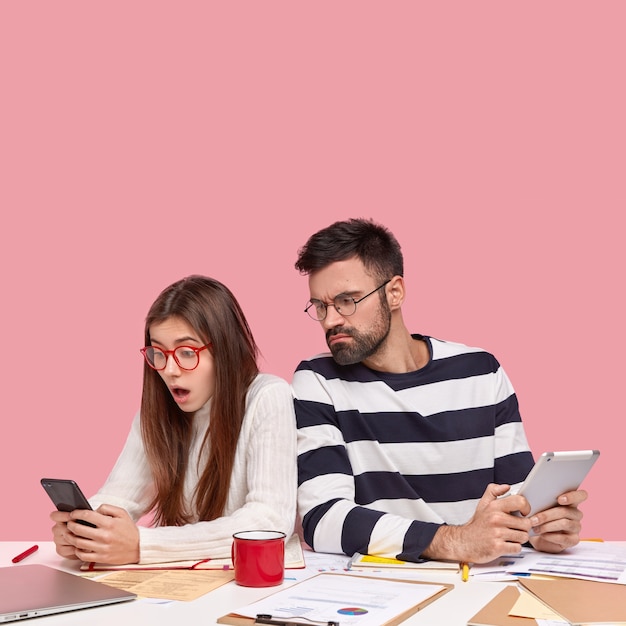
<point x="352" y="610"/>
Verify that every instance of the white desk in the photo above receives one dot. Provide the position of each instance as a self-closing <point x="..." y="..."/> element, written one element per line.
<point x="453" y="609"/>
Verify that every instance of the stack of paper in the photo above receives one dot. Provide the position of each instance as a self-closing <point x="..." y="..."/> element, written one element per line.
<point x="581" y="601"/>
<point x="589" y="560"/>
<point x="571" y="600"/>
<point x="497" y="612"/>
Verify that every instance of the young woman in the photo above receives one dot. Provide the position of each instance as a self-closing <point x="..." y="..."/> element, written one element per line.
<point x="212" y="450"/>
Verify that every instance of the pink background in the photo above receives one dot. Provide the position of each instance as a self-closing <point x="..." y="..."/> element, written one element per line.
<point x="144" y="141"/>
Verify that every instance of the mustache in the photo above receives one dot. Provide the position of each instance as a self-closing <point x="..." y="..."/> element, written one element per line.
<point x="338" y="331"/>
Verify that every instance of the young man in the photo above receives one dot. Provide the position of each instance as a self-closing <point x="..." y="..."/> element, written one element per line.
<point x="406" y="442"/>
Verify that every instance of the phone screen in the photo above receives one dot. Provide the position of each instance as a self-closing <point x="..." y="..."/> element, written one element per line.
<point x="66" y="495"/>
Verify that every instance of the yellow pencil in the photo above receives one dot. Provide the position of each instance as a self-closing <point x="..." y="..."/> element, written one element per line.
<point x="464" y="572"/>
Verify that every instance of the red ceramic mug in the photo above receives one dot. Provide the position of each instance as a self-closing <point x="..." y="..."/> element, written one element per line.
<point x="259" y="558"/>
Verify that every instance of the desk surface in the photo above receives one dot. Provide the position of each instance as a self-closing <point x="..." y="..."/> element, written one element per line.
<point x="453" y="609"/>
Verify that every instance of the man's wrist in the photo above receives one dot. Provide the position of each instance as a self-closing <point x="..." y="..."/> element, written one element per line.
<point x="445" y="544"/>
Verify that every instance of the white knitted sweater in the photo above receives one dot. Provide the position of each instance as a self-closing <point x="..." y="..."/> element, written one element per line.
<point x="263" y="484"/>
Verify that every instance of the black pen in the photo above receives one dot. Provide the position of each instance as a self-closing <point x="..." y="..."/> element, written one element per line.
<point x="264" y="618"/>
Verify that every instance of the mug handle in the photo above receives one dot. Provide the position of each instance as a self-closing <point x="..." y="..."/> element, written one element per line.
<point x="232" y="553"/>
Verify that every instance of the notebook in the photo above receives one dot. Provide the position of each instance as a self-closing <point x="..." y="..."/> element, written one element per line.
<point x="294" y="559"/>
<point x="34" y="590"/>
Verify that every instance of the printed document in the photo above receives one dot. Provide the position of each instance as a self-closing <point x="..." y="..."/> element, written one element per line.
<point x="349" y="600"/>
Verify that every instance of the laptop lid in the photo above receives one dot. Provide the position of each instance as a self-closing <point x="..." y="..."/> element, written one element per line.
<point x="34" y="590"/>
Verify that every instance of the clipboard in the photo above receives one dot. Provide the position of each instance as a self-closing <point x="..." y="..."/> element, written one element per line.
<point x="439" y="589"/>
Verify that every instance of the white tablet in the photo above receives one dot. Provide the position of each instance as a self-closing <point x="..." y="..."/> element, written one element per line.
<point x="555" y="473"/>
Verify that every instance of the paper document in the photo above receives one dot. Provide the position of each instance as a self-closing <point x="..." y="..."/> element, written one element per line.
<point x="168" y="585"/>
<point x="500" y="569"/>
<point x="580" y="601"/>
<point x="528" y="605"/>
<point x="350" y="600"/>
<point x="507" y="608"/>
<point x="589" y="560"/>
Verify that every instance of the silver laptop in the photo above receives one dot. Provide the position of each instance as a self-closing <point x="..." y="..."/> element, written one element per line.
<point x="34" y="590"/>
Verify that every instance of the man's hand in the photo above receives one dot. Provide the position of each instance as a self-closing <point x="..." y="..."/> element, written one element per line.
<point x="492" y="531"/>
<point x="558" y="528"/>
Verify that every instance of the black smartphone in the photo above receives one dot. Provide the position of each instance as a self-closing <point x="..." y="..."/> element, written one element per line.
<point x="66" y="495"/>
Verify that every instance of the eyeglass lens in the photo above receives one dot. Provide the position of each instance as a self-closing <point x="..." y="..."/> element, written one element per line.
<point x="185" y="357"/>
<point x="344" y="305"/>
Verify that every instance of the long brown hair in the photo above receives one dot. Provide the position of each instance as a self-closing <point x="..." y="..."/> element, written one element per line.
<point x="212" y="311"/>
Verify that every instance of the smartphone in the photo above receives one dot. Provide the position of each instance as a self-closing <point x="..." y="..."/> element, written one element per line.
<point x="553" y="474"/>
<point x="66" y="496"/>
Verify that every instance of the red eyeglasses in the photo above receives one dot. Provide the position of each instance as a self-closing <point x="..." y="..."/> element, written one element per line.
<point x="186" y="357"/>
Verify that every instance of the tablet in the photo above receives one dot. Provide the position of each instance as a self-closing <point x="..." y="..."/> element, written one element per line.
<point x="555" y="473"/>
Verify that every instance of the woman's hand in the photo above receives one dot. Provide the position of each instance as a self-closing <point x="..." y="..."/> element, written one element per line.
<point x="60" y="535"/>
<point x="114" y="540"/>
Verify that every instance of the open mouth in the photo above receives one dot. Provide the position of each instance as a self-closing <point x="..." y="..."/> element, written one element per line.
<point x="180" y="395"/>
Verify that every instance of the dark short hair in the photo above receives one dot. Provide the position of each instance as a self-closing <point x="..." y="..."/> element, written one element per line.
<point x="372" y="243"/>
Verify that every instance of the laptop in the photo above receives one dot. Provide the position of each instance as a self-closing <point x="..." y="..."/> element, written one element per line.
<point x="35" y="590"/>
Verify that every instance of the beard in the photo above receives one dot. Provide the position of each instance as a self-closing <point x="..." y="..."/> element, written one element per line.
<point x="365" y="343"/>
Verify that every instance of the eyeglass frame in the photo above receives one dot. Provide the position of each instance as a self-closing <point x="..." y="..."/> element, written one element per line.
<point x="173" y="353"/>
<point x="367" y="295"/>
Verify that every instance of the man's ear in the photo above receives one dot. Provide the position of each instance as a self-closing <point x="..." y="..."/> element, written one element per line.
<point x="395" y="292"/>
